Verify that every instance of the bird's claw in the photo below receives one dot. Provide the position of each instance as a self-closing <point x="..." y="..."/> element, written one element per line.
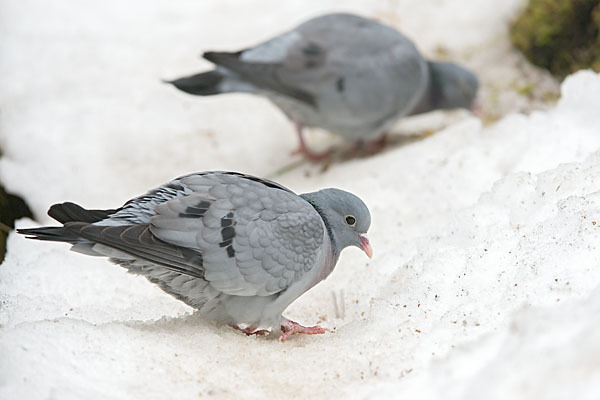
<point x="288" y="328"/>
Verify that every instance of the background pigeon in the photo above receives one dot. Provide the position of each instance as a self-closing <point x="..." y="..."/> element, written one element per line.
<point x="238" y="248"/>
<point x="350" y="75"/>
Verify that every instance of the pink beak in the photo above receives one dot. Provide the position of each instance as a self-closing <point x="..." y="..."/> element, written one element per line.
<point x="366" y="246"/>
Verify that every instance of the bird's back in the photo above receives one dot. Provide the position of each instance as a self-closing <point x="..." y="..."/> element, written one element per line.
<point x="362" y="74"/>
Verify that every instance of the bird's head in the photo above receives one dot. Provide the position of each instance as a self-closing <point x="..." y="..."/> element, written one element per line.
<point x="346" y="215"/>
<point x="452" y="86"/>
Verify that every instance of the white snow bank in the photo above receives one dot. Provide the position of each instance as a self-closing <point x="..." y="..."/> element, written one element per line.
<point x="486" y="275"/>
<point x="497" y="298"/>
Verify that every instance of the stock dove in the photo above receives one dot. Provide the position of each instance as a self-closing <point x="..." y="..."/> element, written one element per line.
<point x="347" y="74"/>
<point x="238" y="248"/>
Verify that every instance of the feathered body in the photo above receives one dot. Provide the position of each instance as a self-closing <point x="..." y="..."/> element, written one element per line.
<point x="238" y="248"/>
<point x="350" y="75"/>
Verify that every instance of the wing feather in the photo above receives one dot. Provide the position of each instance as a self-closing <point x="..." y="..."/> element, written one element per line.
<point x="242" y="234"/>
<point x="249" y="236"/>
<point x="138" y="241"/>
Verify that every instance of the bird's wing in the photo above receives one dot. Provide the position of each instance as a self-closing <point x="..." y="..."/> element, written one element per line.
<point x="313" y="62"/>
<point x="287" y="65"/>
<point x="256" y="237"/>
<point x="245" y="235"/>
<point x="265" y="76"/>
<point x="139" y="242"/>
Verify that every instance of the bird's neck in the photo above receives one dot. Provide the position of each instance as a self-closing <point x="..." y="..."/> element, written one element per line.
<point x="331" y="252"/>
<point x="432" y="98"/>
<point x="312" y="199"/>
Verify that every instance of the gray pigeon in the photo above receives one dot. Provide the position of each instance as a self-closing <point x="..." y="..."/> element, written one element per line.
<point x="238" y="248"/>
<point x="350" y="75"/>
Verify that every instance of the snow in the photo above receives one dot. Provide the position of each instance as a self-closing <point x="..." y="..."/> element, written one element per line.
<point x="485" y="281"/>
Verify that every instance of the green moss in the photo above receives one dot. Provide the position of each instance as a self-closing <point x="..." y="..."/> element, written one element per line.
<point x="526" y="89"/>
<point x="562" y="36"/>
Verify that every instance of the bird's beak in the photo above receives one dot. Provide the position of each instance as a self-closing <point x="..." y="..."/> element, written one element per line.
<point x="366" y="246"/>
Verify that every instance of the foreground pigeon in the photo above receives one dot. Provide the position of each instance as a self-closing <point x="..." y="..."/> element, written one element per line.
<point x="238" y="248"/>
<point x="350" y="75"/>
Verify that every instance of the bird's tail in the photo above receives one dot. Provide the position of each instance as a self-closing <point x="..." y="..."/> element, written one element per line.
<point x="63" y="213"/>
<point x="52" y="233"/>
<point x="204" y="84"/>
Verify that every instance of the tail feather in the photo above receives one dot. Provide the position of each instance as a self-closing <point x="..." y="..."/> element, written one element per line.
<point x="260" y="74"/>
<point x="223" y="58"/>
<point x="52" y="233"/>
<point x="63" y="213"/>
<point x="204" y="84"/>
<point x="71" y="212"/>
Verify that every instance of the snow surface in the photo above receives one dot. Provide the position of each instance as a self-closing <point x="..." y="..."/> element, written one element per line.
<point x="486" y="277"/>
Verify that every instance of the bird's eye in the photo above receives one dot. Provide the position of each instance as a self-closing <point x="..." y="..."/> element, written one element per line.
<point x="350" y="220"/>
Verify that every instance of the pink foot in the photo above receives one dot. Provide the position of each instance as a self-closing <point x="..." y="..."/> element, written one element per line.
<point x="311" y="155"/>
<point x="288" y="328"/>
<point x="251" y="330"/>
<point x="375" y="146"/>
<point x="305" y="151"/>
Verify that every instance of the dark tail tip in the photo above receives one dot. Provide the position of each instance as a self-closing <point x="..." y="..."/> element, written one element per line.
<point x="71" y="212"/>
<point x="209" y="55"/>
<point x="220" y="57"/>
<point x="204" y="84"/>
<point x="51" y="233"/>
<point x="213" y="56"/>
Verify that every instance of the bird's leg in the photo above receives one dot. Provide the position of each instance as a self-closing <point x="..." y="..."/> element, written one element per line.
<point x="250" y="330"/>
<point x="304" y="150"/>
<point x="376" y="145"/>
<point x="373" y="146"/>
<point x="288" y="328"/>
